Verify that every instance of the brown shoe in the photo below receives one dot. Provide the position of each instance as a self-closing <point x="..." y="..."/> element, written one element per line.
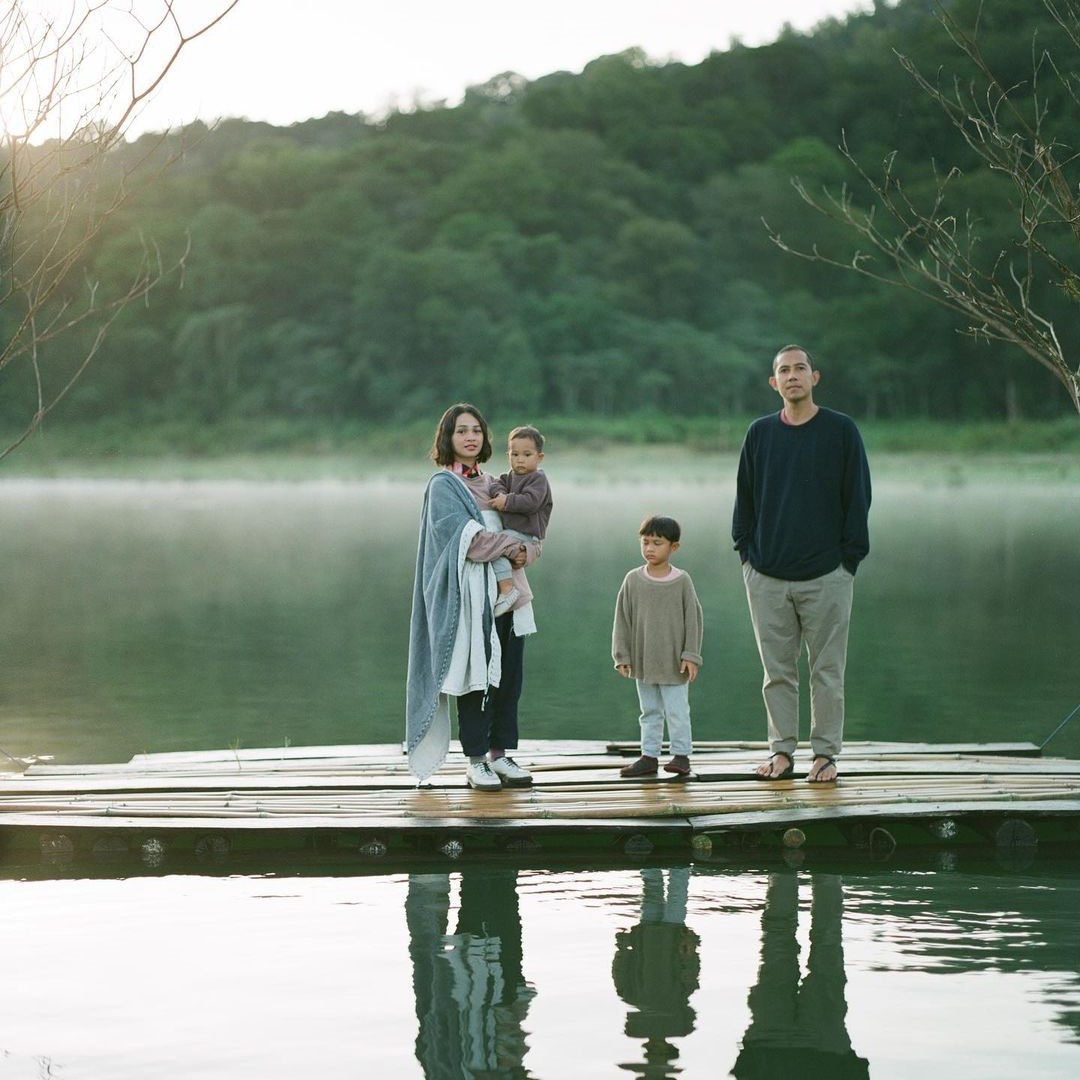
<point x="680" y="764"/>
<point x="644" y="766"/>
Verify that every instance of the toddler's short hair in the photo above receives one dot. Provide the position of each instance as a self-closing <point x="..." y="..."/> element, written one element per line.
<point x="664" y="527"/>
<point x="527" y="431"/>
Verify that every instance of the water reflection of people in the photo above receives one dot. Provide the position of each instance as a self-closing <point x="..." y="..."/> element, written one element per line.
<point x="798" y="1028"/>
<point x="656" y="970"/>
<point x="471" y="995"/>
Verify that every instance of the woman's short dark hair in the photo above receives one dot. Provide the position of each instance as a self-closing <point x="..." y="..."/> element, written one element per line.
<point x="664" y="527"/>
<point x="442" y="449"/>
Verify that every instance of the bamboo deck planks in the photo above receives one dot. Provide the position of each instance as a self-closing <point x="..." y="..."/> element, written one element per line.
<point x="577" y="787"/>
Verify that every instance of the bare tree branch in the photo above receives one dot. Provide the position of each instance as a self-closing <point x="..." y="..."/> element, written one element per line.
<point x="66" y="105"/>
<point x="924" y="247"/>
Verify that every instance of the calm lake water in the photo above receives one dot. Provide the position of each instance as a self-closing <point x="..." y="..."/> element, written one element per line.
<point x="154" y="616"/>
<point x="568" y="974"/>
<point x="144" y="617"/>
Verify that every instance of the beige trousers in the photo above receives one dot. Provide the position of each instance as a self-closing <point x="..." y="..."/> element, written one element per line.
<point x="786" y="615"/>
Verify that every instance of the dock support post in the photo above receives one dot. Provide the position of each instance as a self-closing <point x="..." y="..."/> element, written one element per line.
<point x="1015" y="833"/>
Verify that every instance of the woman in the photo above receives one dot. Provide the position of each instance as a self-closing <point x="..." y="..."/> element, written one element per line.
<point x="456" y="648"/>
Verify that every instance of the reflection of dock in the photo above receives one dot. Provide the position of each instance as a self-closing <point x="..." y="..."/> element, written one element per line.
<point x="362" y="799"/>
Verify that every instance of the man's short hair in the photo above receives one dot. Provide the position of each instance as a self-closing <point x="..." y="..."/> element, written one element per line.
<point x="793" y="348"/>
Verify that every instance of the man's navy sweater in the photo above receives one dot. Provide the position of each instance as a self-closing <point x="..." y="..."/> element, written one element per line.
<point x="802" y="497"/>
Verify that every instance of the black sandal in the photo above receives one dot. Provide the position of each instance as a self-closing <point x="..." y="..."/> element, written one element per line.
<point x="825" y="763"/>
<point x="780" y="775"/>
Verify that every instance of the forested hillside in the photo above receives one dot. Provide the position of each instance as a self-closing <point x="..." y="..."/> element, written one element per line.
<point x="586" y="244"/>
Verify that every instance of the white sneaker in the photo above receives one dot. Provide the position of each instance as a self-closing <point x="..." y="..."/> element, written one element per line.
<point x="510" y="772"/>
<point x="482" y="777"/>
<point x="505" y="602"/>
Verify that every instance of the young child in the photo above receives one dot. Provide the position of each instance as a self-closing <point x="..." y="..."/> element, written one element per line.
<point x="523" y="498"/>
<point x="656" y="640"/>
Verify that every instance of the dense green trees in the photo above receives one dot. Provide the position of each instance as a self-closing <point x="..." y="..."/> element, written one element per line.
<point x="589" y="244"/>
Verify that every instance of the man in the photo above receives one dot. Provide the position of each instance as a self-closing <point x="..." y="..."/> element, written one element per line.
<point x="800" y="528"/>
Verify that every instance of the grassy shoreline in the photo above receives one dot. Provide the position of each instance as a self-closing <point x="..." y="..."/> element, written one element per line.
<point x="651" y="445"/>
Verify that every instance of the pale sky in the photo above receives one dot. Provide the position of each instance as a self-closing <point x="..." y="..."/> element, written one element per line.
<point x="288" y="60"/>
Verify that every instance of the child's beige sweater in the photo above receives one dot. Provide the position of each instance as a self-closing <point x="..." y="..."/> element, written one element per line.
<point x="658" y="624"/>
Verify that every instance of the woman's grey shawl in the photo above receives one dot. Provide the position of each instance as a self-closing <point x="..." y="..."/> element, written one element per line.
<point x="449" y="517"/>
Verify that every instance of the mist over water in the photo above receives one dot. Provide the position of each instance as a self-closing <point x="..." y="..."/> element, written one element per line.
<point x="155" y="616"/>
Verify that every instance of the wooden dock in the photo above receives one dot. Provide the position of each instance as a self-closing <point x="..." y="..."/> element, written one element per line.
<point x="361" y="801"/>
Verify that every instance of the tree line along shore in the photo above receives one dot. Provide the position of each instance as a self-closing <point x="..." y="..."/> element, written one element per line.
<point x="262" y="448"/>
<point x="596" y="245"/>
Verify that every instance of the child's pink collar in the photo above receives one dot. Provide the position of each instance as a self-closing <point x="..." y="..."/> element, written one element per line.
<point x="673" y="572"/>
